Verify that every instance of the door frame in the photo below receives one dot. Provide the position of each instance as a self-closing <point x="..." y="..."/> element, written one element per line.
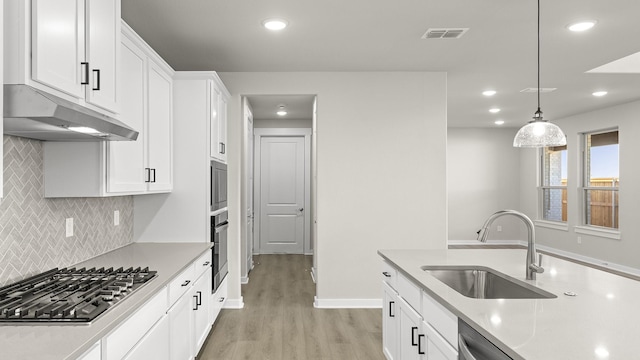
<point x="258" y="134"/>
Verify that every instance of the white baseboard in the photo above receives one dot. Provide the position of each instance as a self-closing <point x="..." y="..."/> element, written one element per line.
<point x="347" y="303"/>
<point x="489" y="242"/>
<point x="244" y="280"/>
<point x="590" y="260"/>
<point x="313" y="274"/>
<point x="234" y="303"/>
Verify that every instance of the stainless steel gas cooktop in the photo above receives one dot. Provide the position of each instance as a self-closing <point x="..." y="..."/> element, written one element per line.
<point x="69" y="295"/>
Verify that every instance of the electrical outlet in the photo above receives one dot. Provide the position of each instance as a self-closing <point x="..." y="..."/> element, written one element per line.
<point x="499" y="228"/>
<point x="69" y="227"/>
<point x="579" y="239"/>
<point x="116" y="218"/>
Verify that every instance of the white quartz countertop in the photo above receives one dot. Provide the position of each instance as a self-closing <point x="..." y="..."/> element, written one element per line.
<point x="601" y="322"/>
<point x="68" y="341"/>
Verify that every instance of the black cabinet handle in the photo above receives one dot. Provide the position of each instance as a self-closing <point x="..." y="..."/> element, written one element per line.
<point x="196" y="297"/>
<point x="97" y="86"/>
<point x="187" y="282"/>
<point x="86" y="73"/>
<point x="199" y="298"/>
<point x="386" y="274"/>
<point x="420" y="351"/>
<point x="147" y="177"/>
<point x="206" y="264"/>
<point x="154" y="175"/>
<point x="414" y="330"/>
<point x="221" y="148"/>
<point x="391" y="314"/>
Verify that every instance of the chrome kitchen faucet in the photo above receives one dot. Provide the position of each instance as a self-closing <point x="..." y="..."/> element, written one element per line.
<point x="531" y="267"/>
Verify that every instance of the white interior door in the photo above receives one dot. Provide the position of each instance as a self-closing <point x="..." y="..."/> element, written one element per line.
<point x="282" y="196"/>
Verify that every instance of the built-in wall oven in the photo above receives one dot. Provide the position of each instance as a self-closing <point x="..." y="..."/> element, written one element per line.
<point x="219" y="226"/>
<point x="218" y="185"/>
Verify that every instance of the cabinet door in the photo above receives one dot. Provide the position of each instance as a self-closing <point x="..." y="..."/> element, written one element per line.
<point x="410" y="325"/>
<point x="58" y="45"/>
<point x="126" y="159"/>
<point x="222" y="128"/>
<point x="180" y="328"/>
<point x="390" y="323"/>
<point x="103" y="52"/>
<point x="154" y="345"/>
<point x="159" y="129"/>
<point x="201" y="308"/>
<point x="437" y="348"/>
<point x="214" y="122"/>
<point x="92" y="354"/>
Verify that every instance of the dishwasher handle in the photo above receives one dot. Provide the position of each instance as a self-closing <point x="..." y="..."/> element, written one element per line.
<point x="464" y="349"/>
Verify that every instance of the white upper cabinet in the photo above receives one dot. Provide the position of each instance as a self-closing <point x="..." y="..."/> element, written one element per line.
<point x="218" y="120"/>
<point x="144" y="166"/>
<point x="69" y="48"/>
<point x="58" y="45"/>
<point x="103" y="52"/>
<point x="159" y="129"/>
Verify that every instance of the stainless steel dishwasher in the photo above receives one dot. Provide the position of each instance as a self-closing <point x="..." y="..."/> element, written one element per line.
<point x="473" y="346"/>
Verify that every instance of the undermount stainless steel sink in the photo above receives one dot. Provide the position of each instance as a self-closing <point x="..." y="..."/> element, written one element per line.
<point x="481" y="282"/>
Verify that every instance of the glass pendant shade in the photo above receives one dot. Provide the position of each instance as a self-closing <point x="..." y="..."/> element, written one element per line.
<point x="539" y="133"/>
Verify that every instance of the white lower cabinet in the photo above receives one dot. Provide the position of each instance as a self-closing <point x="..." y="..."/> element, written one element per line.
<point x="172" y="325"/>
<point x="390" y="322"/>
<point x="154" y="345"/>
<point x="218" y="300"/>
<point x="180" y="329"/>
<point x="201" y="307"/>
<point x="414" y="325"/>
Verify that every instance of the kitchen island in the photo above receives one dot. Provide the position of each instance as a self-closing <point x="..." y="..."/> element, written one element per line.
<point x="599" y="322"/>
<point x="50" y="341"/>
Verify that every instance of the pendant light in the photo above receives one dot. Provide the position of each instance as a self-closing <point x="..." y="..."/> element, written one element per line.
<point x="539" y="132"/>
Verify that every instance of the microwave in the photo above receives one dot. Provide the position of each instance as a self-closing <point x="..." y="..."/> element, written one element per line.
<point x="218" y="185"/>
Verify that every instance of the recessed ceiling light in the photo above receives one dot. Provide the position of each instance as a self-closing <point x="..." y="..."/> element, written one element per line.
<point x="494" y="110"/>
<point x="499" y="122"/>
<point x="275" y="24"/>
<point x="489" y="93"/>
<point x="581" y="26"/>
<point x="599" y="93"/>
<point x="281" y="111"/>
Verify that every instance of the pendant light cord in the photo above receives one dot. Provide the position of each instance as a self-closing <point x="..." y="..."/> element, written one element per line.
<point x="538" y="55"/>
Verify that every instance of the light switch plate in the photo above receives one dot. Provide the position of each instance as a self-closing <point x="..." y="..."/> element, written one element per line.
<point x="69" y="227"/>
<point x="116" y="217"/>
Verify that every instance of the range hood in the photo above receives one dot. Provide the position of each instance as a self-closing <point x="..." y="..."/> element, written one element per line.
<point x="32" y="113"/>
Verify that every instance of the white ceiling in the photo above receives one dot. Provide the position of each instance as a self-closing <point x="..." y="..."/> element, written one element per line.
<point x="498" y="52"/>
<point x="298" y="107"/>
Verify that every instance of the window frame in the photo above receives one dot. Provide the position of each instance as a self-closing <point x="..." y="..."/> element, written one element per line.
<point x="585" y="187"/>
<point x="559" y="224"/>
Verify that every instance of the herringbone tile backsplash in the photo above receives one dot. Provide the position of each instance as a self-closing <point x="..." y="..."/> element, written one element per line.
<point x="32" y="228"/>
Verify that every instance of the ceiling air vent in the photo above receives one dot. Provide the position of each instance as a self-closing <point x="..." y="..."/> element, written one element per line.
<point x="445" y="33"/>
<point x="535" y="90"/>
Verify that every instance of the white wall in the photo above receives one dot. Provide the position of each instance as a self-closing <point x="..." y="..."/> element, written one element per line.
<point x="624" y="251"/>
<point x="282" y="123"/>
<point x="483" y="176"/>
<point x="381" y="160"/>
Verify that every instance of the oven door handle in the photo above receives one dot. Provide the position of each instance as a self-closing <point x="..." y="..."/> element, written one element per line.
<point x="224" y="226"/>
<point x="465" y="353"/>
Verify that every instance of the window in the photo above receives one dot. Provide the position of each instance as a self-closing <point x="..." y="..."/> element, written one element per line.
<point x="601" y="180"/>
<point x="553" y="188"/>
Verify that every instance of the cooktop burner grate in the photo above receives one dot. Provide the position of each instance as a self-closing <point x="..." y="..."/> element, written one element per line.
<point x="69" y="295"/>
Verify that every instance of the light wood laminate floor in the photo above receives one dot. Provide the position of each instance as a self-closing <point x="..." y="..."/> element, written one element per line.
<point x="279" y="321"/>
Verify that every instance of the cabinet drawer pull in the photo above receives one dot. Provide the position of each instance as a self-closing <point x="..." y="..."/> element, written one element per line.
<point x="199" y="298"/>
<point x="187" y="282"/>
<point x="386" y="274"/>
<point x="414" y="331"/>
<point x="221" y="299"/>
<point x="420" y="351"/>
<point x="196" y="305"/>
<point x="97" y="82"/>
<point x="86" y="73"/>
<point x="206" y="263"/>
<point x="391" y="314"/>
